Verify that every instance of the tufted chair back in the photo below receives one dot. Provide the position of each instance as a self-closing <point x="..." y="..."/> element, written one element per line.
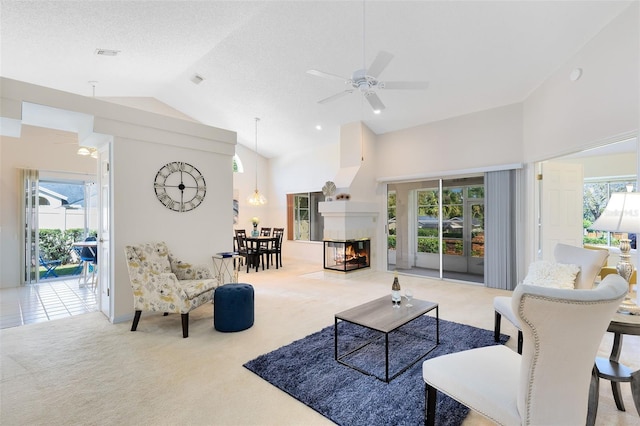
<point x="565" y="329"/>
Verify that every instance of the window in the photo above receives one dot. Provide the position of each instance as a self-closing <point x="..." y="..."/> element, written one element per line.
<point x="304" y="220"/>
<point x="596" y="195"/>
<point x="391" y="220"/>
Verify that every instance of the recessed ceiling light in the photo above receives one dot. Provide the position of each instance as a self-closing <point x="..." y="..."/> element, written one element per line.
<point x="318" y="127"/>
<point x="107" y="52"/>
<point x="377" y="111"/>
<point x="575" y="74"/>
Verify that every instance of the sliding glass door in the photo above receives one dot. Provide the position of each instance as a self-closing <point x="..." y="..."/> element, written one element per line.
<point x="440" y="232"/>
<point x="59" y="210"/>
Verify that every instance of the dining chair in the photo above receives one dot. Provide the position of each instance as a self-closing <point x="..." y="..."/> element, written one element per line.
<point x="276" y="246"/>
<point x="265" y="246"/>
<point x="550" y="383"/>
<point x="89" y="261"/>
<point x="248" y="254"/>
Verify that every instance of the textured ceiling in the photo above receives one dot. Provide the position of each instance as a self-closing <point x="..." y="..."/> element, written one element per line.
<point x="254" y="57"/>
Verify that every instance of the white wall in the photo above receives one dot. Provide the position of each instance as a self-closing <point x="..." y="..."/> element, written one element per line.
<point x="244" y="184"/>
<point x="605" y="165"/>
<point x="142" y="143"/>
<point x="562" y="116"/>
<point x="303" y="171"/>
<point x="558" y="118"/>
<point x="482" y="139"/>
<point x="40" y="149"/>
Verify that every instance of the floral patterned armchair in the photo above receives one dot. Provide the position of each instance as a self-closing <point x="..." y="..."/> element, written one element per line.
<point x="162" y="283"/>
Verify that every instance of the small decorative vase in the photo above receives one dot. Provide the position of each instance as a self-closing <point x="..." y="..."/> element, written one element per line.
<point x="255" y="232"/>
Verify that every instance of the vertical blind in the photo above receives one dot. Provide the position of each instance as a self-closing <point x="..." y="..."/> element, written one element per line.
<point x="500" y="230"/>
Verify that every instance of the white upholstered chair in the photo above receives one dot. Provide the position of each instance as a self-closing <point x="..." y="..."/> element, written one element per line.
<point x="549" y="383"/>
<point x="162" y="283"/>
<point x="589" y="261"/>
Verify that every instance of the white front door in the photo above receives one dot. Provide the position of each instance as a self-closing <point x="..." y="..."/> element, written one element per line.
<point x="561" y="209"/>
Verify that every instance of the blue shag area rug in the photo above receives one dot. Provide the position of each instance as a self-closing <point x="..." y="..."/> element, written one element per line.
<point x="307" y="370"/>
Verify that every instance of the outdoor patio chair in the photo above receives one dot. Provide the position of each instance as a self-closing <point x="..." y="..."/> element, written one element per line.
<point x="50" y="266"/>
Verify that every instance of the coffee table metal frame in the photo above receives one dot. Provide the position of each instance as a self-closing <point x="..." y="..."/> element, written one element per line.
<point x="380" y="315"/>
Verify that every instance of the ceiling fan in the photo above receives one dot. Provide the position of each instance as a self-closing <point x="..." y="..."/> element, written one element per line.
<point x="366" y="82"/>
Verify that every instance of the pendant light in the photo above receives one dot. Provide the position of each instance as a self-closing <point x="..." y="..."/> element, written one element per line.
<point x="257" y="199"/>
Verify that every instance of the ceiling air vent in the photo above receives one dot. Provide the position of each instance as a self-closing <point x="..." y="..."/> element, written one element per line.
<point x="107" y="52"/>
<point x="196" y="79"/>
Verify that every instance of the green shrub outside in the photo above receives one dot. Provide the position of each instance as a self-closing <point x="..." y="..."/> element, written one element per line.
<point x="55" y="244"/>
<point x="602" y="241"/>
<point x="428" y="245"/>
<point x="391" y="242"/>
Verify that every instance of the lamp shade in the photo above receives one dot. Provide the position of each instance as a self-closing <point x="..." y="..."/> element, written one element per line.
<point x="622" y="214"/>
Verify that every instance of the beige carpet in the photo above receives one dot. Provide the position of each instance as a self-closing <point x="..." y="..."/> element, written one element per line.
<point x="85" y="371"/>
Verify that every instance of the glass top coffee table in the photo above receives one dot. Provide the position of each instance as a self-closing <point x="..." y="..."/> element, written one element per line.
<point x="381" y="316"/>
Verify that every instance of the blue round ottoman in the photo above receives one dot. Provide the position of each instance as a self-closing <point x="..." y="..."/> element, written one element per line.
<point x="233" y="307"/>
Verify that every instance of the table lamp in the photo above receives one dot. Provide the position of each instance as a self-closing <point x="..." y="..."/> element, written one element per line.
<point x="622" y="215"/>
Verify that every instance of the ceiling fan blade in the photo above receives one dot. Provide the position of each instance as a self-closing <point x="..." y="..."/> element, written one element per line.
<point x="379" y="63"/>
<point x="374" y="101"/>
<point x="336" y="96"/>
<point x="327" y="75"/>
<point x="403" y="85"/>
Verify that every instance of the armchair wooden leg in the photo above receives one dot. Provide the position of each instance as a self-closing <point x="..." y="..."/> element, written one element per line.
<point x="185" y="325"/>
<point x="430" y="394"/>
<point x="594" y="394"/>
<point x="136" y="318"/>
<point x="520" y="342"/>
<point x="496" y="326"/>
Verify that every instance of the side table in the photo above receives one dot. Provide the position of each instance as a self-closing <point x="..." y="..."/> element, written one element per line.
<point x="610" y="369"/>
<point x="226" y="267"/>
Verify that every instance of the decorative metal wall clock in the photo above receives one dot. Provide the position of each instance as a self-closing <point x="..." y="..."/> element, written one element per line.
<point x="180" y="186"/>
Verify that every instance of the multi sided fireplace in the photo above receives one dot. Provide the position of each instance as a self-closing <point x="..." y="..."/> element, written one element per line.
<point x="345" y="256"/>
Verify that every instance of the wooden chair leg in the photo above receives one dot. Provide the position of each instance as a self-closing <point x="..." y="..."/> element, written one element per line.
<point x="430" y="394"/>
<point x="185" y="325"/>
<point x="496" y="326"/>
<point x="635" y="389"/>
<point x="594" y="394"/>
<point x="136" y="318"/>
<point x="520" y="342"/>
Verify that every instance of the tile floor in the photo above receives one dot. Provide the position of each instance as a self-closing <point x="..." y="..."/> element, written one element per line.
<point x="44" y="302"/>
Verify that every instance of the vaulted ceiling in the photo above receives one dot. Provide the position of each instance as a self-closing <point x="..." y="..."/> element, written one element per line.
<point x="253" y="57"/>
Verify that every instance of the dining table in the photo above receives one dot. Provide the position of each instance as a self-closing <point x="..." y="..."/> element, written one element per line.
<point x="260" y="246"/>
<point x="93" y="247"/>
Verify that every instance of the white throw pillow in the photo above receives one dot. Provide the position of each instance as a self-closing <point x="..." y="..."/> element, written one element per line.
<point x="551" y="274"/>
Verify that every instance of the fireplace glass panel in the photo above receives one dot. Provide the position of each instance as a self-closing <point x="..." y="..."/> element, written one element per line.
<point x="347" y="255"/>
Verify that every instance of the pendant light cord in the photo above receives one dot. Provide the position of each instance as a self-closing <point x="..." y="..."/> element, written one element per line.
<point x="257" y="119"/>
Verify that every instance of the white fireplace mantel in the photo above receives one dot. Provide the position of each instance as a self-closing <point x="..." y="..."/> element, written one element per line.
<point x="349" y="220"/>
<point x="331" y="208"/>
